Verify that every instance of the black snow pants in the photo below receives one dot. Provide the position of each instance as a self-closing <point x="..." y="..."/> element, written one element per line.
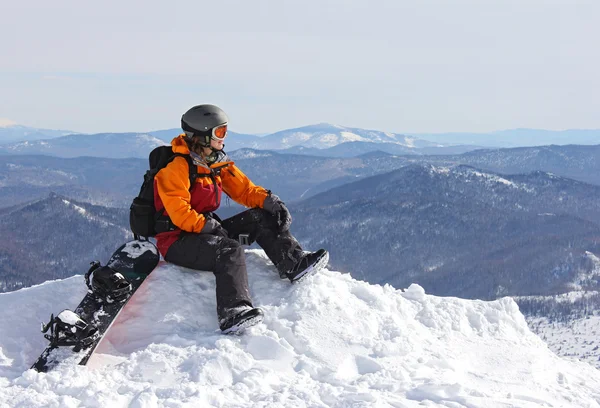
<point x="225" y="256"/>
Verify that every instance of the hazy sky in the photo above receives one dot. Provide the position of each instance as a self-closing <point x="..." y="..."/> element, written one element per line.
<point x="401" y="66"/>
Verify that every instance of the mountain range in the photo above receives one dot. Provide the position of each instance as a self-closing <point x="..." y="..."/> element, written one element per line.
<point x="56" y="237"/>
<point x="297" y="176"/>
<point x="517" y="137"/>
<point x="107" y="182"/>
<point x="11" y="132"/>
<point x="106" y="145"/>
<point x="458" y="231"/>
<point x="455" y="230"/>
<point x="323" y="136"/>
<point x="580" y="162"/>
<point x="321" y="139"/>
<point x="113" y="182"/>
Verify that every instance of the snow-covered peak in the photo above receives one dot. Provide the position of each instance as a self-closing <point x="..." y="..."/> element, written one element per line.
<point x="325" y="135"/>
<point x="4" y="123"/>
<point x="113" y="145"/>
<point x="147" y="139"/>
<point x="331" y="341"/>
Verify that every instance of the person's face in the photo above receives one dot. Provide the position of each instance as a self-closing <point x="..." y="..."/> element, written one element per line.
<point x="217" y="144"/>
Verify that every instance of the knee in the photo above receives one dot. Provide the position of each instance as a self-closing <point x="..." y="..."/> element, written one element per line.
<point x="228" y="243"/>
<point x="256" y="220"/>
<point x="259" y="216"/>
<point x="264" y="218"/>
<point x="229" y="246"/>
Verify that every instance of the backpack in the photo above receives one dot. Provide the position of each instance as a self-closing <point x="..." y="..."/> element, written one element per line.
<point x="144" y="220"/>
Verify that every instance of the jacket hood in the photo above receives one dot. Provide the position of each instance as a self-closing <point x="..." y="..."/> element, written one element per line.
<point x="179" y="145"/>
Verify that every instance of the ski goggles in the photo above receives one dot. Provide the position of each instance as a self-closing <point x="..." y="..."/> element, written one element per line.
<point x="219" y="132"/>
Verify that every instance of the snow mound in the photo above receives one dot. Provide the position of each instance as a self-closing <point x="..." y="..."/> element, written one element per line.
<point x="330" y="341"/>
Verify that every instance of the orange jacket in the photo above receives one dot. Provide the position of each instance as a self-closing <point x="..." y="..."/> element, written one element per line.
<point x="185" y="207"/>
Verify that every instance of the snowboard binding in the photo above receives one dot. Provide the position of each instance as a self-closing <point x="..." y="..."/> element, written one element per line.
<point x="107" y="284"/>
<point x="68" y="329"/>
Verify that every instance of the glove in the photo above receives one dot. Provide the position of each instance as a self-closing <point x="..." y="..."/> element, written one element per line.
<point x="275" y="206"/>
<point x="213" y="227"/>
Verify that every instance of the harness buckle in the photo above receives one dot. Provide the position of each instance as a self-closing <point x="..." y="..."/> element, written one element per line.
<point x="244" y="239"/>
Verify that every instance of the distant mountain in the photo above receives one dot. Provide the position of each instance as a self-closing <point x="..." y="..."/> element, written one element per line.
<point x="165" y="135"/>
<point x="11" y="132"/>
<point x="574" y="161"/>
<point x="454" y="230"/>
<point x="320" y="140"/>
<point x="578" y="162"/>
<point x="109" y="145"/>
<point x="301" y="176"/>
<point x="457" y="230"/>
<point x="353" y="149"/>
<point x="294" y="177"/>
<point x="113" y="182"/>
<point x="56" y="237"/>
<point x="448" y="149"/>
<point x="517" y="137"/>
<point x="325" y="135"/>
<point x="109" y="182"/>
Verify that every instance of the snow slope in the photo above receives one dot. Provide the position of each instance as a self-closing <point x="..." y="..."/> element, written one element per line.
<point x="331" y="341"/>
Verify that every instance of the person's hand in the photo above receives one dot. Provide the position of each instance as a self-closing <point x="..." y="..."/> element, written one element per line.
<point x="213" y="227"/>
<point x="275" y="206"/>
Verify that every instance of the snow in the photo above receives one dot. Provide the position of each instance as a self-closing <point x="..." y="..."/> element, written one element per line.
<point x="567" y="297"/>
<point x="146" y="139"/>
<point x="575" y="339"/>
<point x="82" y="211"/>
<point x="440" y="170"/>
<point x="135" y="250"/>
<point x="325" y="135"/>
<point x="493" y="177"/>
<point x="351" y="137"/>
<point x="330" y="341"/>
<point x="68" y="317"/>
<point x="79" y="209"/>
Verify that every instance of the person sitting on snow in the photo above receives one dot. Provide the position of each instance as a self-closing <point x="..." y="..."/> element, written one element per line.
<point x="198" y="239"/>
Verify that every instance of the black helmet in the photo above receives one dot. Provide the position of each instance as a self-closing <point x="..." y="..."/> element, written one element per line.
<point x="201" y="120"/>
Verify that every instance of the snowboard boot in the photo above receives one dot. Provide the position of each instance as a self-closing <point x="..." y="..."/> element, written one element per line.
<point x="68" y="329"/>
<point x="237" y="319"/>
<point x="309" y="264"/>
<point x="107" y="283"/>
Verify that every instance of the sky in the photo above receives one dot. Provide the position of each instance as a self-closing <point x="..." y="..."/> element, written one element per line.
<point x="407" y="349"/>
<point x="394" y="65"/>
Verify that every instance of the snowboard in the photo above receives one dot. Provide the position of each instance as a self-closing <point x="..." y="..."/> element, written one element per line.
<point x="134" y="260"/>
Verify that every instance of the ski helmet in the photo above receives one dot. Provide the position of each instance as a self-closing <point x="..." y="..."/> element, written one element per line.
<point x="201" y="120"/>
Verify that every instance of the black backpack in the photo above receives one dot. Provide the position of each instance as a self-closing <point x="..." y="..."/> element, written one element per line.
<point x="144" y="220"/>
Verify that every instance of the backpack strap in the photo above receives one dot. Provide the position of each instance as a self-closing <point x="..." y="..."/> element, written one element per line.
<point x="160" y="218"/>
<point x="193" y="169"/>
<point x="164" y="220"/>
